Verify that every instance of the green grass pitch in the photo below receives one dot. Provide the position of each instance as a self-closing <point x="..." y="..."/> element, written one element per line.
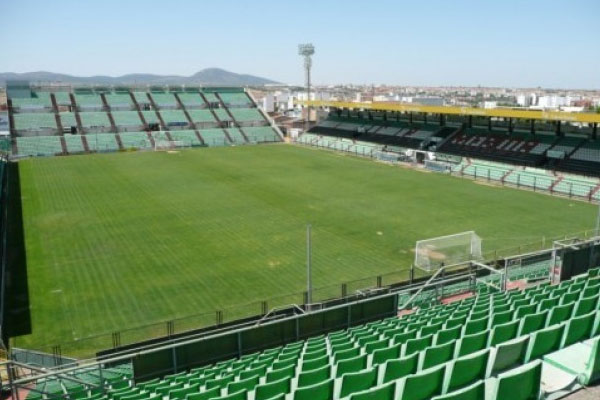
<point x="115" y="241"/>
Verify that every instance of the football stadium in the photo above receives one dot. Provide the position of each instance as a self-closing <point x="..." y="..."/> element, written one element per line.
<point x="176" y="242"/>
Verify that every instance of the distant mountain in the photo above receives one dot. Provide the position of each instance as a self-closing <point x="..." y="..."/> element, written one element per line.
<point x="207" y="77"/>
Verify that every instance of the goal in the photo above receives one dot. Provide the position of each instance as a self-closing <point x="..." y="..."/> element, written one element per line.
<point x="162" y="142"/>
<point x="431" y="254"/>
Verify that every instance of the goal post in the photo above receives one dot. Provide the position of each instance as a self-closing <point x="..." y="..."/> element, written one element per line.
<point x="163" y="143"/>
<point x="432" y="254"/>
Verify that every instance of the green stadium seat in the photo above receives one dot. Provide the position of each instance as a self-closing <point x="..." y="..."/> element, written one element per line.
<point x="507" y="355"/>
<point x="314" y="376"/>
<point x="415" y="345"/>
<point x="382" y="355"/>
<point x="436" y="355"/>
<point x="317" y="353"/>
<point x="559" y="314"/>
<point x="239" y="395"/>
<point x="272" y="389"/>
<point x="183" y="392"/>
<point x="370" y="347"/>
<point x="395" y="369"/>
<point x="503" y="332"/>
<point x="586" y="305"/>
<point x="346" y="353"/>
<point x="247" y="384"/>
<point x="422" y="385"/>
<point x="382" y="392"/>
<point x="524" y="310"/>
<point x="465" y="370"/>
<point x="522" y="383"/>
<point x="475" y="391"/>
<point x="476" y="326"/>
<point x="544" y="341"/>
<point x="447" y="335"/>
<point x="221" y="382"/>
<point x="533" y="322"/>
<point x="318" y="391"/>
<point x="354" y="364"/>
<point x="578" y="329"/>
<point x="357" y="381"/>
<point x="402" y="338"/>
<point x="471" y="343"/>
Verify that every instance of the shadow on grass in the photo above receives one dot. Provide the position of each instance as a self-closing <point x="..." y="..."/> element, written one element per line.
<point x="17" y="314"/>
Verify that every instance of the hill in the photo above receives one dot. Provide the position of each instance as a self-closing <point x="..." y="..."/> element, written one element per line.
<point x="206" y="77"/>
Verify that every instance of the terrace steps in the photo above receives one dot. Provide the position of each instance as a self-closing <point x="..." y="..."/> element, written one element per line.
<point x="119" y="141"/>
<point x="188" y="117"/>
<point x="160" y="118"/>
<point x="86" y="146"/>
<point x="111" y="119"/>
<point x="151" y="138"/>
<point x="63" y="145"/>
<point x="235" y="122"/>
<point x="556" y="182"/>
<point x="76" y="112"/>
<point x="593" y="192"/>
<point x="56" y="113"/>
<point x="139" y="111"/>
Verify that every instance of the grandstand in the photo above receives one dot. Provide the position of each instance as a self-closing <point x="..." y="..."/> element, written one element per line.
<point x="570" y="148"/>
<point x="47" y="116"/>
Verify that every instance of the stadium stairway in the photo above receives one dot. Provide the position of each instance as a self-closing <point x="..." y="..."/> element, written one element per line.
<point x="542" y="341"/>
<point x="216" y="117"/>
<point x="76" y="112"/>
<point x="111" y="119"/>
<point x="56" y="113"/>
<point x="139" y="111"/>
<point x="235" y="122"/>
<point x="156" y="110"/>
<point x="188" y="117"/>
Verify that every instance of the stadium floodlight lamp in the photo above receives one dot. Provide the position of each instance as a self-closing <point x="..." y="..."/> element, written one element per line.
<point x="306" y="50"/>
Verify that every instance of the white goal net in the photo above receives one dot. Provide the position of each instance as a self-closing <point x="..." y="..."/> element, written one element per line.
<point x="431" y="254"/>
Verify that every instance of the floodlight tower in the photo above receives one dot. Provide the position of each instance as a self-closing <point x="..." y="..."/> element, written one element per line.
<point x="307" y="50"/>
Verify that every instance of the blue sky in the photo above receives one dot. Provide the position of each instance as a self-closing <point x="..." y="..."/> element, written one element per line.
<point x="453" y="42"/>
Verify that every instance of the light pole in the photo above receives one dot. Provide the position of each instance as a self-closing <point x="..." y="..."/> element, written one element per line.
<point x="598" y="221"/>
<point x="306" y="51"/>
<point x="308" y="265"/>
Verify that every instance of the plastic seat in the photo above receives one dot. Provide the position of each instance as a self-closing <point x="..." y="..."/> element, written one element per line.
<point x="314" y="376"/>
<point x="465" y="370"/>
<point x="414" y="345"/>
<point x="471" y="343"/>
<point x="475" y="391"/>
<point x="239" y="395"/>
<point x="351" y="365"/>
<point x="395" y="369"/>
<point x="183" y="392"/>
<point x="544" y="341"/>
<point x="316" y="363"/>
<point x="525" y="310"/>
<point x="278" y="374"/>
<point x="382" y="355"/>
<point x="559" y="314"/>
<point x="247" y="384"/>
<point x="422" y="385"/>
<point x="319" y="391"/>
<point x="507" y="355"/>
<point x="205" y="394"/>
<point x="503" y="332"/>
<point x="436" y="355"/>
<point x="402" y="338"/>
<point x="447" y="335"/>
<point x="585" y="305"/>
<point x="357" y="381"/>
<point x="531" y="323"/>
<point x="376" y="345"/>
<point x="272" y="389"/>
<point x="522" y="383"/>
<point x="476" y="326"/>
<point x="577" y="329"/>
<point x="382" y="392"/>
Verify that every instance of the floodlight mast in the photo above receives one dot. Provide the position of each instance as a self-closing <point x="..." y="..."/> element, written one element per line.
<point x="307" y="50"/>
